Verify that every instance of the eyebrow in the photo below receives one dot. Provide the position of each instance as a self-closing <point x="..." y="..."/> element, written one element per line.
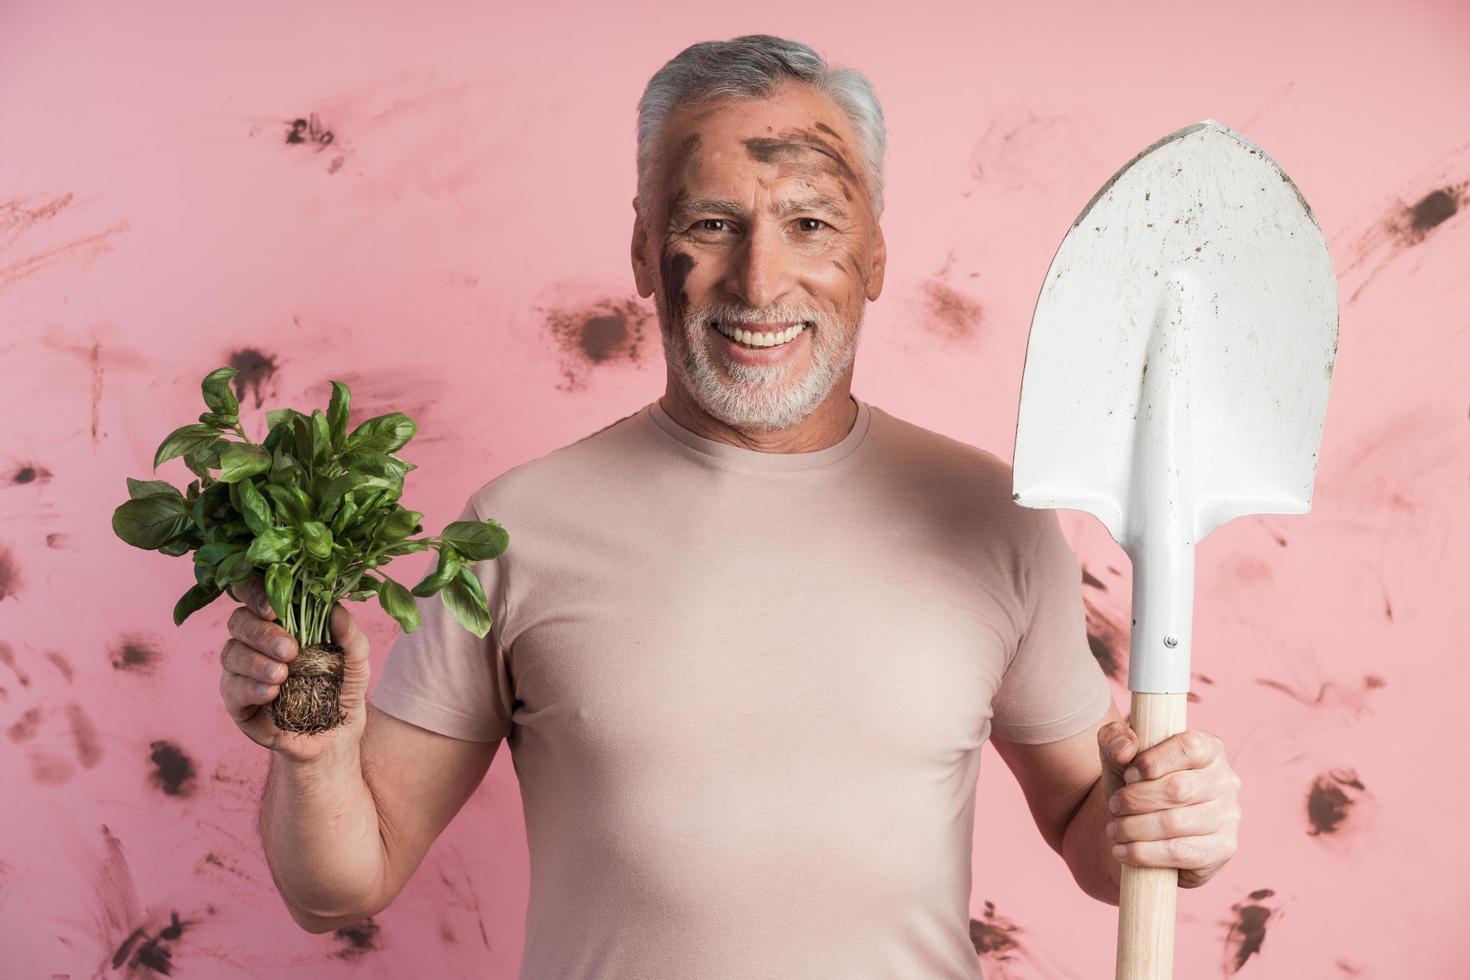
<point x="779" y="209"/>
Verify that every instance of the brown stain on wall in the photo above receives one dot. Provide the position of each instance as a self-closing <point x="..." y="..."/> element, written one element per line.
<point x="134" y="655"/>
<point x="173" y="770"/>
<point x="256" y="368"/>
<point x="22" y="216"/>
<point x="994" y="936"/>
<point x="1107" y="640"/>
<point x="952" y="315"/>
<point x="1328" y="802"/>
<point x="1247" y="931"/>
<point x="1406" y="226"/>
<point x="10" y="577"/>
<point x="29" y="473"/>
<point x="358" y="939"/>
<point x="595" y="334"/>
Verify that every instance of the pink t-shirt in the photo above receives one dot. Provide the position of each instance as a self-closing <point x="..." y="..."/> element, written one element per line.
<point x="745" y="693"/>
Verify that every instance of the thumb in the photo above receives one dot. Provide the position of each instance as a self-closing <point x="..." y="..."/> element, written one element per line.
<point x="1117" y="745"/>
<point x="354" y="643"/>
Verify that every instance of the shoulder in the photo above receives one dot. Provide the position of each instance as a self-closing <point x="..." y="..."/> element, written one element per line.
<point x="566" y="471"/>
<point x="942" y="467"/>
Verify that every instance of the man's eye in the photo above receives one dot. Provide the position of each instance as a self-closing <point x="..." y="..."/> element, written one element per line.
<point x="703" y="222"/>
<point x="817" y="220"/>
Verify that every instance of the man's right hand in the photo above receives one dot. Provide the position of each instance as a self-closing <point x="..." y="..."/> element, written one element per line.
<point x="254" y="670"/>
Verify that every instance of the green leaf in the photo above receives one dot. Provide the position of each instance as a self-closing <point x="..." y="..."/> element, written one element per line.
<point x="465" y="598"/>
<point x="382" y="434"/>
<point x="192" y="601"/>
<point x="398" y="603"/>
<point x="317" y="538"/>
<point x="275" y="544"/>
<point x="150" y="522"/>
<point x="235" y="568"/>
<point x="363" y="462"/>
<point x="215" y="552"/>
<point x="285" y="471"/>
<point x="180" y="545"/>
<point x="344" y="517"/>
<point x="399" y="524"/>
<point x="276" y="416"/>
<point x="253" y="507"/>
<point x="278" y="585"/>
<point x="217" y="393"/>
<point x="185" y="439"/>
<point x="477" y="540"/>
<point x="292" y="503"/>
<point x="447" y="568"/>
<point x="240" y="461"/>
<point x="321" y="437"/>
<point x="222" y="423"/>
<point x="407" y="548"/>
<point x="147" y="488"/>
<point x="337" y="414"/>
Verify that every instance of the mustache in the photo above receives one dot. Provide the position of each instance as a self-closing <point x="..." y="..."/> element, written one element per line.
<point x="727" y="313"/>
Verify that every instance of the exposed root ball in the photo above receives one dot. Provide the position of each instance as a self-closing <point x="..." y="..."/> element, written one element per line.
<point x="307" y="701"/>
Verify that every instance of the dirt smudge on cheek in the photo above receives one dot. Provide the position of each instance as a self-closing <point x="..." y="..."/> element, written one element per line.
<point x="1328" y="802"/>
<point x="674" y="272"/>
<point x="173" y="770"/>
<point x="1246" y="933"/>
<point x="256" y="369"/>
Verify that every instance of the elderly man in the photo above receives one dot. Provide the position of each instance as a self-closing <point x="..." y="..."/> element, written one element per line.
<point x="748" y="640"/>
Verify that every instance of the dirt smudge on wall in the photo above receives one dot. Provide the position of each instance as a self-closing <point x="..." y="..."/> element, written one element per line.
<point x="596" y="333"/>
<point x="994" y="936"/>
<point x="135" y="655"/>
<point x="1247" y="930"/>
<point x="10" y="577"/>
<point x="173" y="770"/>
<point x="35" y="216"/>
<point x="1107" y="639"/>
<point x="256" y="369"/>
<point x="951" y="315"/>
<point x="1328" y="801"/>
<point x="358" y="939"/>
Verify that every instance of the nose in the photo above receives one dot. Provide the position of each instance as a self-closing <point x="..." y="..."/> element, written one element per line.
<point x="763" y="269"/>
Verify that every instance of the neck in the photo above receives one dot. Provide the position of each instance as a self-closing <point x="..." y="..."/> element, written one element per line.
<point x="827" y="425"/>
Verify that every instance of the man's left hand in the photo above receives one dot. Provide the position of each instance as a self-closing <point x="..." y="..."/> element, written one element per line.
<point x="1175" y="804"/>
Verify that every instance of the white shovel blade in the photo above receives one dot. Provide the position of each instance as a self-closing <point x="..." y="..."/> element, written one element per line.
<point x="1201" y="255"/>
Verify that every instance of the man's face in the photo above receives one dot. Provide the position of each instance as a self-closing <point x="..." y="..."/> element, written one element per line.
<point x="762" y="220"/>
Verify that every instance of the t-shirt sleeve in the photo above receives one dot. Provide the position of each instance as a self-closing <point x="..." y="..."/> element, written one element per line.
<point x="444" y="678"/>
<point x="1053" y="687"/>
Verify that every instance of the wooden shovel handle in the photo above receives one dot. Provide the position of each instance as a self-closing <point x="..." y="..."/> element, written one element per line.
<point x="1146" y="902"/>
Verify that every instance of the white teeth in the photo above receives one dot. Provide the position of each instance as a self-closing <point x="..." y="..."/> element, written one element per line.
<point x="761" y="340"/>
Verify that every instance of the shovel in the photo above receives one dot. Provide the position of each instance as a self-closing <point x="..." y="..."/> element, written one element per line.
<point x="1176" y="377"/>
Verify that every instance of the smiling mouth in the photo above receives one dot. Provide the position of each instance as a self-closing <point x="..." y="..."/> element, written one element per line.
<point x="759" y="339"/>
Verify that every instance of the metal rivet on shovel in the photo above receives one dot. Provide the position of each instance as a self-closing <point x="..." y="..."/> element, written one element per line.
<point x="1176" y="377"/>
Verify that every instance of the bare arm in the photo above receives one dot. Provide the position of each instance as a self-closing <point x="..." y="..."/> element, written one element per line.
<point x="1064" y="787"/>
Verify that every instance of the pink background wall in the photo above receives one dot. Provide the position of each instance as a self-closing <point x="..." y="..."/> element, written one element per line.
<point x="460" y="252"/>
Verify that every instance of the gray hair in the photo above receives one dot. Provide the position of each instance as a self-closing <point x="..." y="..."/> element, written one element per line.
<point x="751" y="67"/>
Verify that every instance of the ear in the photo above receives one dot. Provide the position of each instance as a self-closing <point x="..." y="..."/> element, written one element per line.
<point x="642" y="274"/>
<point x="878" y="261"/>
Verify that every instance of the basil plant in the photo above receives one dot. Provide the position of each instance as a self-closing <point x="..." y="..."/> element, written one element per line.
<point x="312" y="511"/>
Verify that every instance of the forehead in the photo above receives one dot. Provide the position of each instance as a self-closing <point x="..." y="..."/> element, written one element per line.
<point x="797" y="132"/>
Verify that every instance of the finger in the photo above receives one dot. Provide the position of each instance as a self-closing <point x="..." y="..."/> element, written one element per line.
<point x="264" y="636"/>
<point x="246" y="661"/>
<point x="1172" y="789"/>
<point x="1175" y="821"/>
<point x="1193" y="853"/>
<point x="243" y="695"/>
<point x="345" y="631"/>
<point x="252" y="593"/>
<point x="1183" y="750"/>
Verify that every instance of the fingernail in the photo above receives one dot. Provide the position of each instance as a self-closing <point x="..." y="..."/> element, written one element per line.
<point x="282" y="647"/>
<point x="1115" y="804"/>
<point x="1131" y="775"/>
<point x="1119" y="850"/>
<point x="1111" y="830"/>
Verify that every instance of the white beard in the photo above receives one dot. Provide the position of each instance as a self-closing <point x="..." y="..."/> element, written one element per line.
<point x="760" y="397"/>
